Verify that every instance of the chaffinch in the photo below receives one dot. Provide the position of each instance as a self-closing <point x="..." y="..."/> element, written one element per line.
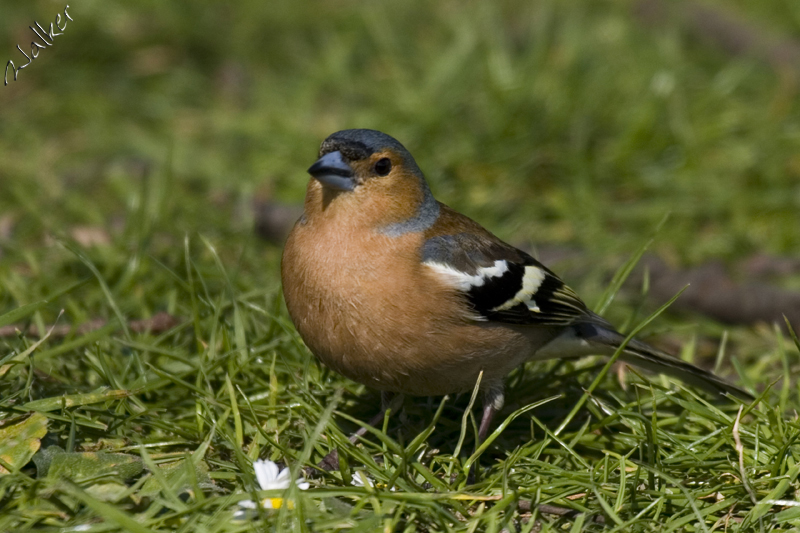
<point x="397" y="291"/>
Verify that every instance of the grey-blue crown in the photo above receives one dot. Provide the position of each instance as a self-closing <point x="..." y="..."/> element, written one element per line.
<point x="361" y="143"/>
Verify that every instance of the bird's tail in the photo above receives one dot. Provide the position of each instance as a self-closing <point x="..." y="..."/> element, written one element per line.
<point x="645" y="356"/>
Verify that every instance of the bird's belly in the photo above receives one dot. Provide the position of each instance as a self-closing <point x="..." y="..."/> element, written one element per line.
<point x="386" y="331"/>
<point x="378" y="317"/>
<point x="385" y="351"/>
<point x="424" y="362"/>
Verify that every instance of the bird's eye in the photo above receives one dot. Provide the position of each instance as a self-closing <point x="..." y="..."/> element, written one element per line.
<point x="383" y="166"/>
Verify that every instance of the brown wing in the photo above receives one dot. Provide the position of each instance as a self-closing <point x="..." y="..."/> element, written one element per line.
<point x="501" y="283"/>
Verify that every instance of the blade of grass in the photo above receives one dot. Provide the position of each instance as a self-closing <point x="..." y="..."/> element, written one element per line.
<point x="465" y="417"/>
<point x="73" y="400"/>
<point x="792" y="332"/>
<point x="20" y="312"/>
<point x="9" y="362"/>
<point x="496" y="433"/>
<point x="102" y="282"/>
<point x="237" y="420"/>
<point x="625" y="270"/>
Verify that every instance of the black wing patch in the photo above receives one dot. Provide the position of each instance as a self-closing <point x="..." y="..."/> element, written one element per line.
<point x="500" y="282"/>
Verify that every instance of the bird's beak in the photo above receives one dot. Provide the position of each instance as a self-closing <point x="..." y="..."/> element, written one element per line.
<point x="333" y="172"/>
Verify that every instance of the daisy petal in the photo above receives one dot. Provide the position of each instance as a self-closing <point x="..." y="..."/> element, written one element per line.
<point x="247" y="504"/>
<point x="282" y="480"/>
<point x="266" y="473"/>
<point x="358" y="480"/>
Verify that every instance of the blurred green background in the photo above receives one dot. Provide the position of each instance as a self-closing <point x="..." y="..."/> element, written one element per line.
<point x="551" y="121"/>
<point x="149" y="125"/>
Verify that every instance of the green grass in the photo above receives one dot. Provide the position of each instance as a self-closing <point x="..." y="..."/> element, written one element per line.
<point x="154" y="125"/>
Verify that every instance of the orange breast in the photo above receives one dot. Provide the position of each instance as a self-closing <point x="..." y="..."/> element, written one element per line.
<point x="373" y="313"/>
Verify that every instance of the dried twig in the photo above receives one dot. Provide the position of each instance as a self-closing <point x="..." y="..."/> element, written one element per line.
<point x="713" y="292"/>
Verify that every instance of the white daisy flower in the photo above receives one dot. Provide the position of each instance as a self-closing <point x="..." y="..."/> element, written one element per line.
<point x="270" y="477"/>
<point x="357" y="480"/>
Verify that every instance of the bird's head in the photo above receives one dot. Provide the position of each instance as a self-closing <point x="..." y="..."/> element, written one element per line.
<point x="368" y="175"/>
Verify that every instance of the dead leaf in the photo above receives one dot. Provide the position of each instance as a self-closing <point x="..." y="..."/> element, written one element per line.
<point x="20" y="439"/>
<point x="78" y="466"/>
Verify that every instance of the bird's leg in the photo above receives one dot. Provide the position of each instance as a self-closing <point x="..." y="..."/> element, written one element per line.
<point x="389" y="401"/>
<point x="492" y="402"/>
<point x="486" y="422"/>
